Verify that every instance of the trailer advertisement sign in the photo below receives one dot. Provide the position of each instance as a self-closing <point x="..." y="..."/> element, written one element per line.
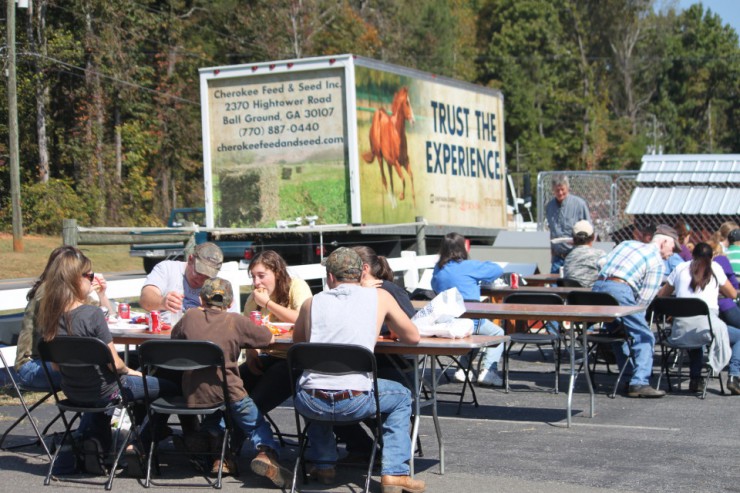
<point x="428" y="149"/>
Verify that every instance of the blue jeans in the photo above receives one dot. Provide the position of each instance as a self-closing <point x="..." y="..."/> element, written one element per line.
<point x="395" y="404"/>
<point x="97" y="425"/>
<point x="696" y="356"/>
<point x="556" y="262"/>
<point x="249" y="421"/>
<point x="492" y="354"/>
<point x="31" y="374"/>
<point x="636" y="326"/>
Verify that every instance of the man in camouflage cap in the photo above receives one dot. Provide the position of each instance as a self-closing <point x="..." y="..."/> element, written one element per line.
<point x="347" y="313"/>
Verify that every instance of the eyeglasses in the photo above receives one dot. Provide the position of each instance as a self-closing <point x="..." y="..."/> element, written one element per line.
<point x="90" y="276"/>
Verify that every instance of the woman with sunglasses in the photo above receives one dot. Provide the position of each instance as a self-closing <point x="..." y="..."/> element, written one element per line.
<point x="63" y="312"/>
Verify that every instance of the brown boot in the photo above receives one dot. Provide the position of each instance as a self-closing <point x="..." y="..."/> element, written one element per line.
<point x="323" y="476"/>
<point x="267" y="465"/>
<point x="230" y="466"/>
<point x="401" y="484"/>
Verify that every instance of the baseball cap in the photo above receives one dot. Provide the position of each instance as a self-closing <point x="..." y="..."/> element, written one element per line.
<point x="344" y="264"/>
<point x="665" y="230"/>
<point x="583" y="227"/>
<point x="217" y="292"/>
<point x="734" y="236"/>
<point x="208" y="259"/>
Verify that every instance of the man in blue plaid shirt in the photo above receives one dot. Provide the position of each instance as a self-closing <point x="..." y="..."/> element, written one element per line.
<point x="633" y="273"/>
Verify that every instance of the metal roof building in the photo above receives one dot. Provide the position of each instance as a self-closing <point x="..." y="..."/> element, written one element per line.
<point x="687" y="184"/>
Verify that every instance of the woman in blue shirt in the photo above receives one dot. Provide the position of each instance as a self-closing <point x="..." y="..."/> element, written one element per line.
<point x="454" y="269"/>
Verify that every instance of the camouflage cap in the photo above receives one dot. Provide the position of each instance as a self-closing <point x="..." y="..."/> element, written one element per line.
<point x="217" y="292"/>
<point x="208" y="259"/>
<point x="344" y="264"/>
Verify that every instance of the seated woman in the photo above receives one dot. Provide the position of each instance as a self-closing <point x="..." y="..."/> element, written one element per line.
<point x="27" y="361"/>
<point x="454" y="269"/>
<point x="63" y="312"/>
<point x="278" y="297"/>
<point x="703" y="278"/>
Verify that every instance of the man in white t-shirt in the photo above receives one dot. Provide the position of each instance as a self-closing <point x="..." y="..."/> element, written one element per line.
<point x="174" y="286"/>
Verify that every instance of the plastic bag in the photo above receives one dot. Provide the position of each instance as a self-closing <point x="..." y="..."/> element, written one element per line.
<point x="439" y="317"/>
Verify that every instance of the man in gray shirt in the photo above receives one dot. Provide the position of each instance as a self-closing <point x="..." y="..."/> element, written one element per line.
<point x="562" y="212"/>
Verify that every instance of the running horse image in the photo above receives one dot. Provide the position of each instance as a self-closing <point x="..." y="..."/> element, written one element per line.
<point x="388" y="142"/>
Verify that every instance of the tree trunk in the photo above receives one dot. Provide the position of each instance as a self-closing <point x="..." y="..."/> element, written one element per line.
<point x="37" y="41"/>
<point x="118" y="143"/>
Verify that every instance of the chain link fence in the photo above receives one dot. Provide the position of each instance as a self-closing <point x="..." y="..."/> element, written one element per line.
<point x="619" y="201"/>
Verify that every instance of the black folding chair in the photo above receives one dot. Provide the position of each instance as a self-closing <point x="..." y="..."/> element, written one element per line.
<point x="540" y="338"/>
<point x="333" y="359"/>
<point x="19" y="390"/>
<point x="602" y="339"/>
<point x="78" y="352"/>
<point x="182" y="355"/>
<point x="660" y="312"/>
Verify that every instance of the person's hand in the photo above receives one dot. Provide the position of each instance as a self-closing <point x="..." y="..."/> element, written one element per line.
<point x="172" y="301"/>
<point x="134" y="373"/>
<point x="261" y="297"/>
<point x="99" y="283"/>
<point x="253" y="362"/>
<point x="371" y="283"/>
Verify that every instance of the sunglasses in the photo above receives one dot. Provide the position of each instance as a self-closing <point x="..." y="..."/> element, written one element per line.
<point x="89" y="276"/>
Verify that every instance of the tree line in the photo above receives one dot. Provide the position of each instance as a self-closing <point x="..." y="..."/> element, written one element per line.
<point x="109" y="112"/>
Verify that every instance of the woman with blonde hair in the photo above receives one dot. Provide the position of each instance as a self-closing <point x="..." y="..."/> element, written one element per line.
<point x="720" y="236"/>
<point x="63" y="313"/>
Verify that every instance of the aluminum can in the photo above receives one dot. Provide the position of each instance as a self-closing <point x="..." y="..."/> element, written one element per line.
<point x="124" y="311"/>
<point x="514" y="280"/>
<point x="256" y="317"/>
<point x="155" y="321"/>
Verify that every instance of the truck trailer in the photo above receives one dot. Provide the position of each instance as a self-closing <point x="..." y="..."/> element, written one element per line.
<point x="305" y="155"/>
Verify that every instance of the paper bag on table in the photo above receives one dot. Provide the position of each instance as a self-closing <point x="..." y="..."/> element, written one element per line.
<point x="439" y="317"/>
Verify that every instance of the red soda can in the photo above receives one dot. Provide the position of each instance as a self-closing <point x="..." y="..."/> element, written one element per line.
<point x="514" y="280"/>
<point x="155" y="323"/>
<point x="256" y="317"/>
<point x="124" y="311"/>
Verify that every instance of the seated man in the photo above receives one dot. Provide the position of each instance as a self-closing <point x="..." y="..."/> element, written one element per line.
<point x="351" y="314"/>
<point x="584" y="262"/>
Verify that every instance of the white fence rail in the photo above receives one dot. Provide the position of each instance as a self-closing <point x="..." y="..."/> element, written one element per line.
<point x="409" y="264"/>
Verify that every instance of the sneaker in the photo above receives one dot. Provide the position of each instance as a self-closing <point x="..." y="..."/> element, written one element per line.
<point x="93" y="452"/>
<point x="490" y="378"/>
<point x="644" y="391"/>
<point x="459" y="376"/>
<point x="267" y="465"/>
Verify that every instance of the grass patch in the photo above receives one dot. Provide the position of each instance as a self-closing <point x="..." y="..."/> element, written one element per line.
<point x="30" y="263"/>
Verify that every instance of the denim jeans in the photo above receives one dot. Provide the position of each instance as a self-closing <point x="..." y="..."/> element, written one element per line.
<point x="556" y="262"/>
<point x="492" y="354"/>
<point x="636" y="326"/>
<point x="97" y="425"/>
<point x="248" y="420"/>
<point x="395" y="404"/>
<point x="696" y="356"/>
<point x="31" y="374"/>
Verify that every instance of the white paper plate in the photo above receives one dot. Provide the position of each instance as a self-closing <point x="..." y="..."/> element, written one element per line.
<point x="128" y="327"/>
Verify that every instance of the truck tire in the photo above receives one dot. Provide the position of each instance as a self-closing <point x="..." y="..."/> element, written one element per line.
<point x="149" y="264"/>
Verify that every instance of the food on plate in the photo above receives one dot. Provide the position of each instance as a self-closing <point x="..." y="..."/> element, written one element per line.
<point x="278" y="328"/>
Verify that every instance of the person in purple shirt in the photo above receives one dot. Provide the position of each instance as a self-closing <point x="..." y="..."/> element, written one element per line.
<point x="729" y="312"/>
<point x="454" y="269"/>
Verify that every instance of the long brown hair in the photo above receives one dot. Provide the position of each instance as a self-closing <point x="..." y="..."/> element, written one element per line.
<point x="272" y="260"/>
<point x="62" y="287"/>
<point x="701" y="266"/>
<point x="378" y="264"/>
<point x="452" y="249"/>
<point x="724" y="230"/>
<point x="53" y="255"/>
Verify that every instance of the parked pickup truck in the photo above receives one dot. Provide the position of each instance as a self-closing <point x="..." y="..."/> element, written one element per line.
<point x="188" y="217"/>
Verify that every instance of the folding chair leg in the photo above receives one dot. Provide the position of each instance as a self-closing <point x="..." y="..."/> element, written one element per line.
<point x="27" y="414"/>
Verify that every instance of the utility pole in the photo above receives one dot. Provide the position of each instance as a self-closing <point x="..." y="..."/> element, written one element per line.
<point x="15" y="175"/>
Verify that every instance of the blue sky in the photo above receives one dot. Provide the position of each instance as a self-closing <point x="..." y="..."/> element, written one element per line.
<point x="728" y="10"/>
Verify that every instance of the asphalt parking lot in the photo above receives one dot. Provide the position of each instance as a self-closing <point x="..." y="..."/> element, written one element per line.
<point x="515" y="442"/>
